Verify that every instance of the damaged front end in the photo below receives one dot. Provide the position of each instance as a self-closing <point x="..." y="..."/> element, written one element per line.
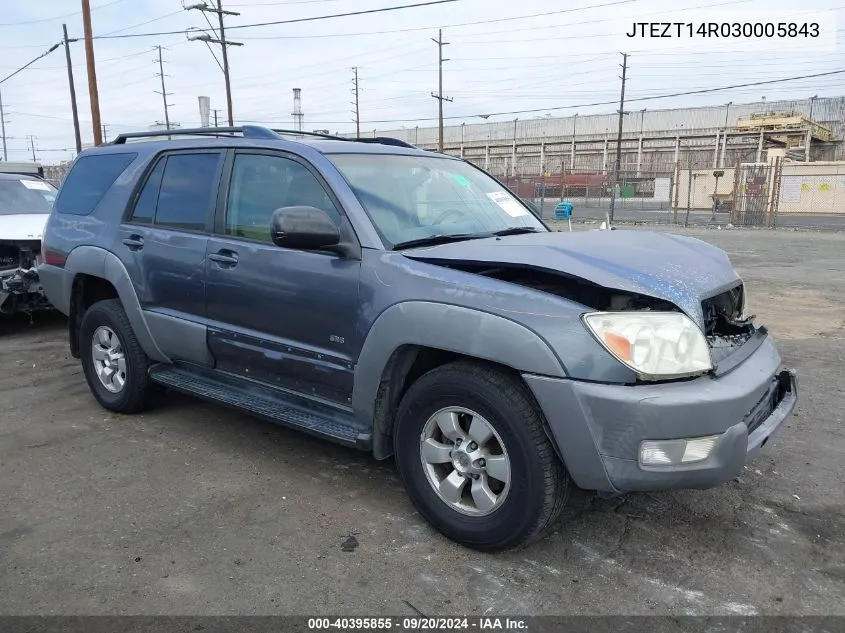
<point x="726" y="327"/>
<point x="730" y="335"/>
<point x="20" y="288"/>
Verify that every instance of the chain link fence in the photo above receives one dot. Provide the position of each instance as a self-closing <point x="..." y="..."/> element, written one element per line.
<point x="547" y="180"/>
<point x="810" y="194"/>
<point x="688" y="190"/>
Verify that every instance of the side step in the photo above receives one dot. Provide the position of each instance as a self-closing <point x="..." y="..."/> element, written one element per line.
<point x="296" y="412"/>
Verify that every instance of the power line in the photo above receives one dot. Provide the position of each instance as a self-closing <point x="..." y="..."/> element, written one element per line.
<point x="275" y="4"/>
<point x="428" y="28"/>
<point x="32" y="61"/>
<point x="59" y="17"/>
<point x="601" y="103"/>
<point x="298" y="20"/>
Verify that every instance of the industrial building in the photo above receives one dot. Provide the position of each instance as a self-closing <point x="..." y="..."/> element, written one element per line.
<point x="781" y="157"/>
<point x="653" y="141"/>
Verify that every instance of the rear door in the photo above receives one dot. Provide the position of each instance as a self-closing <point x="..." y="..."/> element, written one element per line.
<point x="283" y="316"/>
<point x="163" y="244"/>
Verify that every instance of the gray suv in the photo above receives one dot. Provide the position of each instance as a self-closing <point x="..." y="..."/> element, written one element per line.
<point x="406" y="303"/>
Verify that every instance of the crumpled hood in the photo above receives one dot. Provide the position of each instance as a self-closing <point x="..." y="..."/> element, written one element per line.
<point x="23" y="226"/>
<point x="675" y="268"/>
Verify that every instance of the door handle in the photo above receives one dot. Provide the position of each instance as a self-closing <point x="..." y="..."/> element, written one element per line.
<point x="134" y="243"/>
<point x="225" y="259"/>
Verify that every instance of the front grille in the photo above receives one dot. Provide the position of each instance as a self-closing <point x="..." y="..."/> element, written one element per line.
<point x="778" y="388"/>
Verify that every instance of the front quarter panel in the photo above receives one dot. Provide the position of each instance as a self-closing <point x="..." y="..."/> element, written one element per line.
<point x="450" y="328"/>
<point x="408" y="302"/>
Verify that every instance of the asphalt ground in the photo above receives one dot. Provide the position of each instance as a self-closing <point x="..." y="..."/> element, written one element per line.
<point x="196" y="509"/>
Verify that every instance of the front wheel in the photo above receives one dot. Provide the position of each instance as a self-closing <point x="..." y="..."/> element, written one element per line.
<point x="474" y="457"/>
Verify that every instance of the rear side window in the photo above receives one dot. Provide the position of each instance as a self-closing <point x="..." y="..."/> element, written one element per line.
<point x="89" y="180"/>
<point x="180" y="192"/>
<point x="145" y="207"/>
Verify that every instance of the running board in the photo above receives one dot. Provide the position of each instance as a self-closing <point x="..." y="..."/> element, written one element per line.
<point x="250" y="397"/>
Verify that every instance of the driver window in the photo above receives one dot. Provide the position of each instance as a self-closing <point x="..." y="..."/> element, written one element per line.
<point x="260" y="184"/>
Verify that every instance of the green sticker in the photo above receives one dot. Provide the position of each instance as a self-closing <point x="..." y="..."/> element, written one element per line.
<point x="461" y="180"/>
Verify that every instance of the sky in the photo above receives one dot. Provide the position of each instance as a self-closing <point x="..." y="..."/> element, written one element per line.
<point x="503" y="56"/>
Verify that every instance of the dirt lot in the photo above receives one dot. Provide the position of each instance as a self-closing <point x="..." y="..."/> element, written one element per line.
<point x="195" y="509"/>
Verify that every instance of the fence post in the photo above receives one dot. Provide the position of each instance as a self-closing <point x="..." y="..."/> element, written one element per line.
<point x="677" y="190"/>
<point x="736" y="198"/>
<point x="562" y="177"/>
<point x="774" y="196"/>
<point x="689" y="188"/>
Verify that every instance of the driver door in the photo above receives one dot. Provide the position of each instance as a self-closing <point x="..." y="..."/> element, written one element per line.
<point x="281" y="316"/>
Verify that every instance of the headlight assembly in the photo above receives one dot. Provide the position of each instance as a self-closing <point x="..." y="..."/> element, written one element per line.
<point x="656" y="345"/>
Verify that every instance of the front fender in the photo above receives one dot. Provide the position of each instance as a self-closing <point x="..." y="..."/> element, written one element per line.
<point x="450" y="328"/>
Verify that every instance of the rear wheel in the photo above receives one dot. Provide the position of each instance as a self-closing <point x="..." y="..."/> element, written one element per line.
<point x="114" y="364"/>
<point x="475" y="460"/>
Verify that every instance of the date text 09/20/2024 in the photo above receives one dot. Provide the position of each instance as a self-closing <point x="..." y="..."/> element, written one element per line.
<point x="418" y="624"/>
<point x="724" y="29"/>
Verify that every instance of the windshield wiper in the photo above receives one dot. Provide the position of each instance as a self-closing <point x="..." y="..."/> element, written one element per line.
<point x="516" y="230"/>
<point x="433" y="240"/>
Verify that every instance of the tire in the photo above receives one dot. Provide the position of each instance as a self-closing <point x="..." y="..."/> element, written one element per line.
<point x="538" y="485"/>
<point x="137" y="391"/>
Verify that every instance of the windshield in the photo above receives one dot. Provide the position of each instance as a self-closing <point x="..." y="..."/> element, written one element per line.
<point x="413" y="198"/>
<point x="26" y="196"/>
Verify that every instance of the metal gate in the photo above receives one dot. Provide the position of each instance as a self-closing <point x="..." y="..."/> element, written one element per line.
<point x="756" y="194"/>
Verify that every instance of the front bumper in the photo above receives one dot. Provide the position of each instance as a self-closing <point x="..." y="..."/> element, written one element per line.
<point x="21" y="291"/>
<point x="598" y="427"/>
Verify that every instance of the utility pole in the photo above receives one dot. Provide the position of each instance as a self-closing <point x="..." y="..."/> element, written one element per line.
<point x="3" y="127"/>
<point x="357" y="111"/>
<point x="219" y="39"/>
<point x="617" y="163"/>
<point x="92" y="73"/>
<point x="31" y="138"/>
<point x="439" y="96"/>
<point x="225" y="60"/>
<point x="76" y="133"/>
<point x="215" y="115"/>
<point x="104" y="129"/>
<point x="163" y="92"/>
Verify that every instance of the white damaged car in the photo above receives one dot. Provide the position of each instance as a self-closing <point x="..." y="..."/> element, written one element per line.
<point x="25" y="204"/>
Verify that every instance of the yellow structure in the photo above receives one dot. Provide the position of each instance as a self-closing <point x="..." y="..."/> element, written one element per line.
<point x="788" y="122"/>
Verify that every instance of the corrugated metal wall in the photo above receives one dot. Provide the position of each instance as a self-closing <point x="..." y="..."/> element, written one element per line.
<point x="827" y="111"/>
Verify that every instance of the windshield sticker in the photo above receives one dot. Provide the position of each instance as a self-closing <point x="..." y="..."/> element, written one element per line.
<point x="35" y="184"/>
<point x="461" y="180"/>
<point x="508" y="204"/>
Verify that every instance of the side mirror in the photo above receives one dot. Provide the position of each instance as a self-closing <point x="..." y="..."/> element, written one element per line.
<point x="305" y="228"/>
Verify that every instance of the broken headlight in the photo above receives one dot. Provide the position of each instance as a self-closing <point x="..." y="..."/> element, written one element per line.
<point x="656" y="345"/>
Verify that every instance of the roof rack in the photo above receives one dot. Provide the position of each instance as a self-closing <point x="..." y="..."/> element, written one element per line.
<point x="250" y="131"/>
<point x="383" y="140"/>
